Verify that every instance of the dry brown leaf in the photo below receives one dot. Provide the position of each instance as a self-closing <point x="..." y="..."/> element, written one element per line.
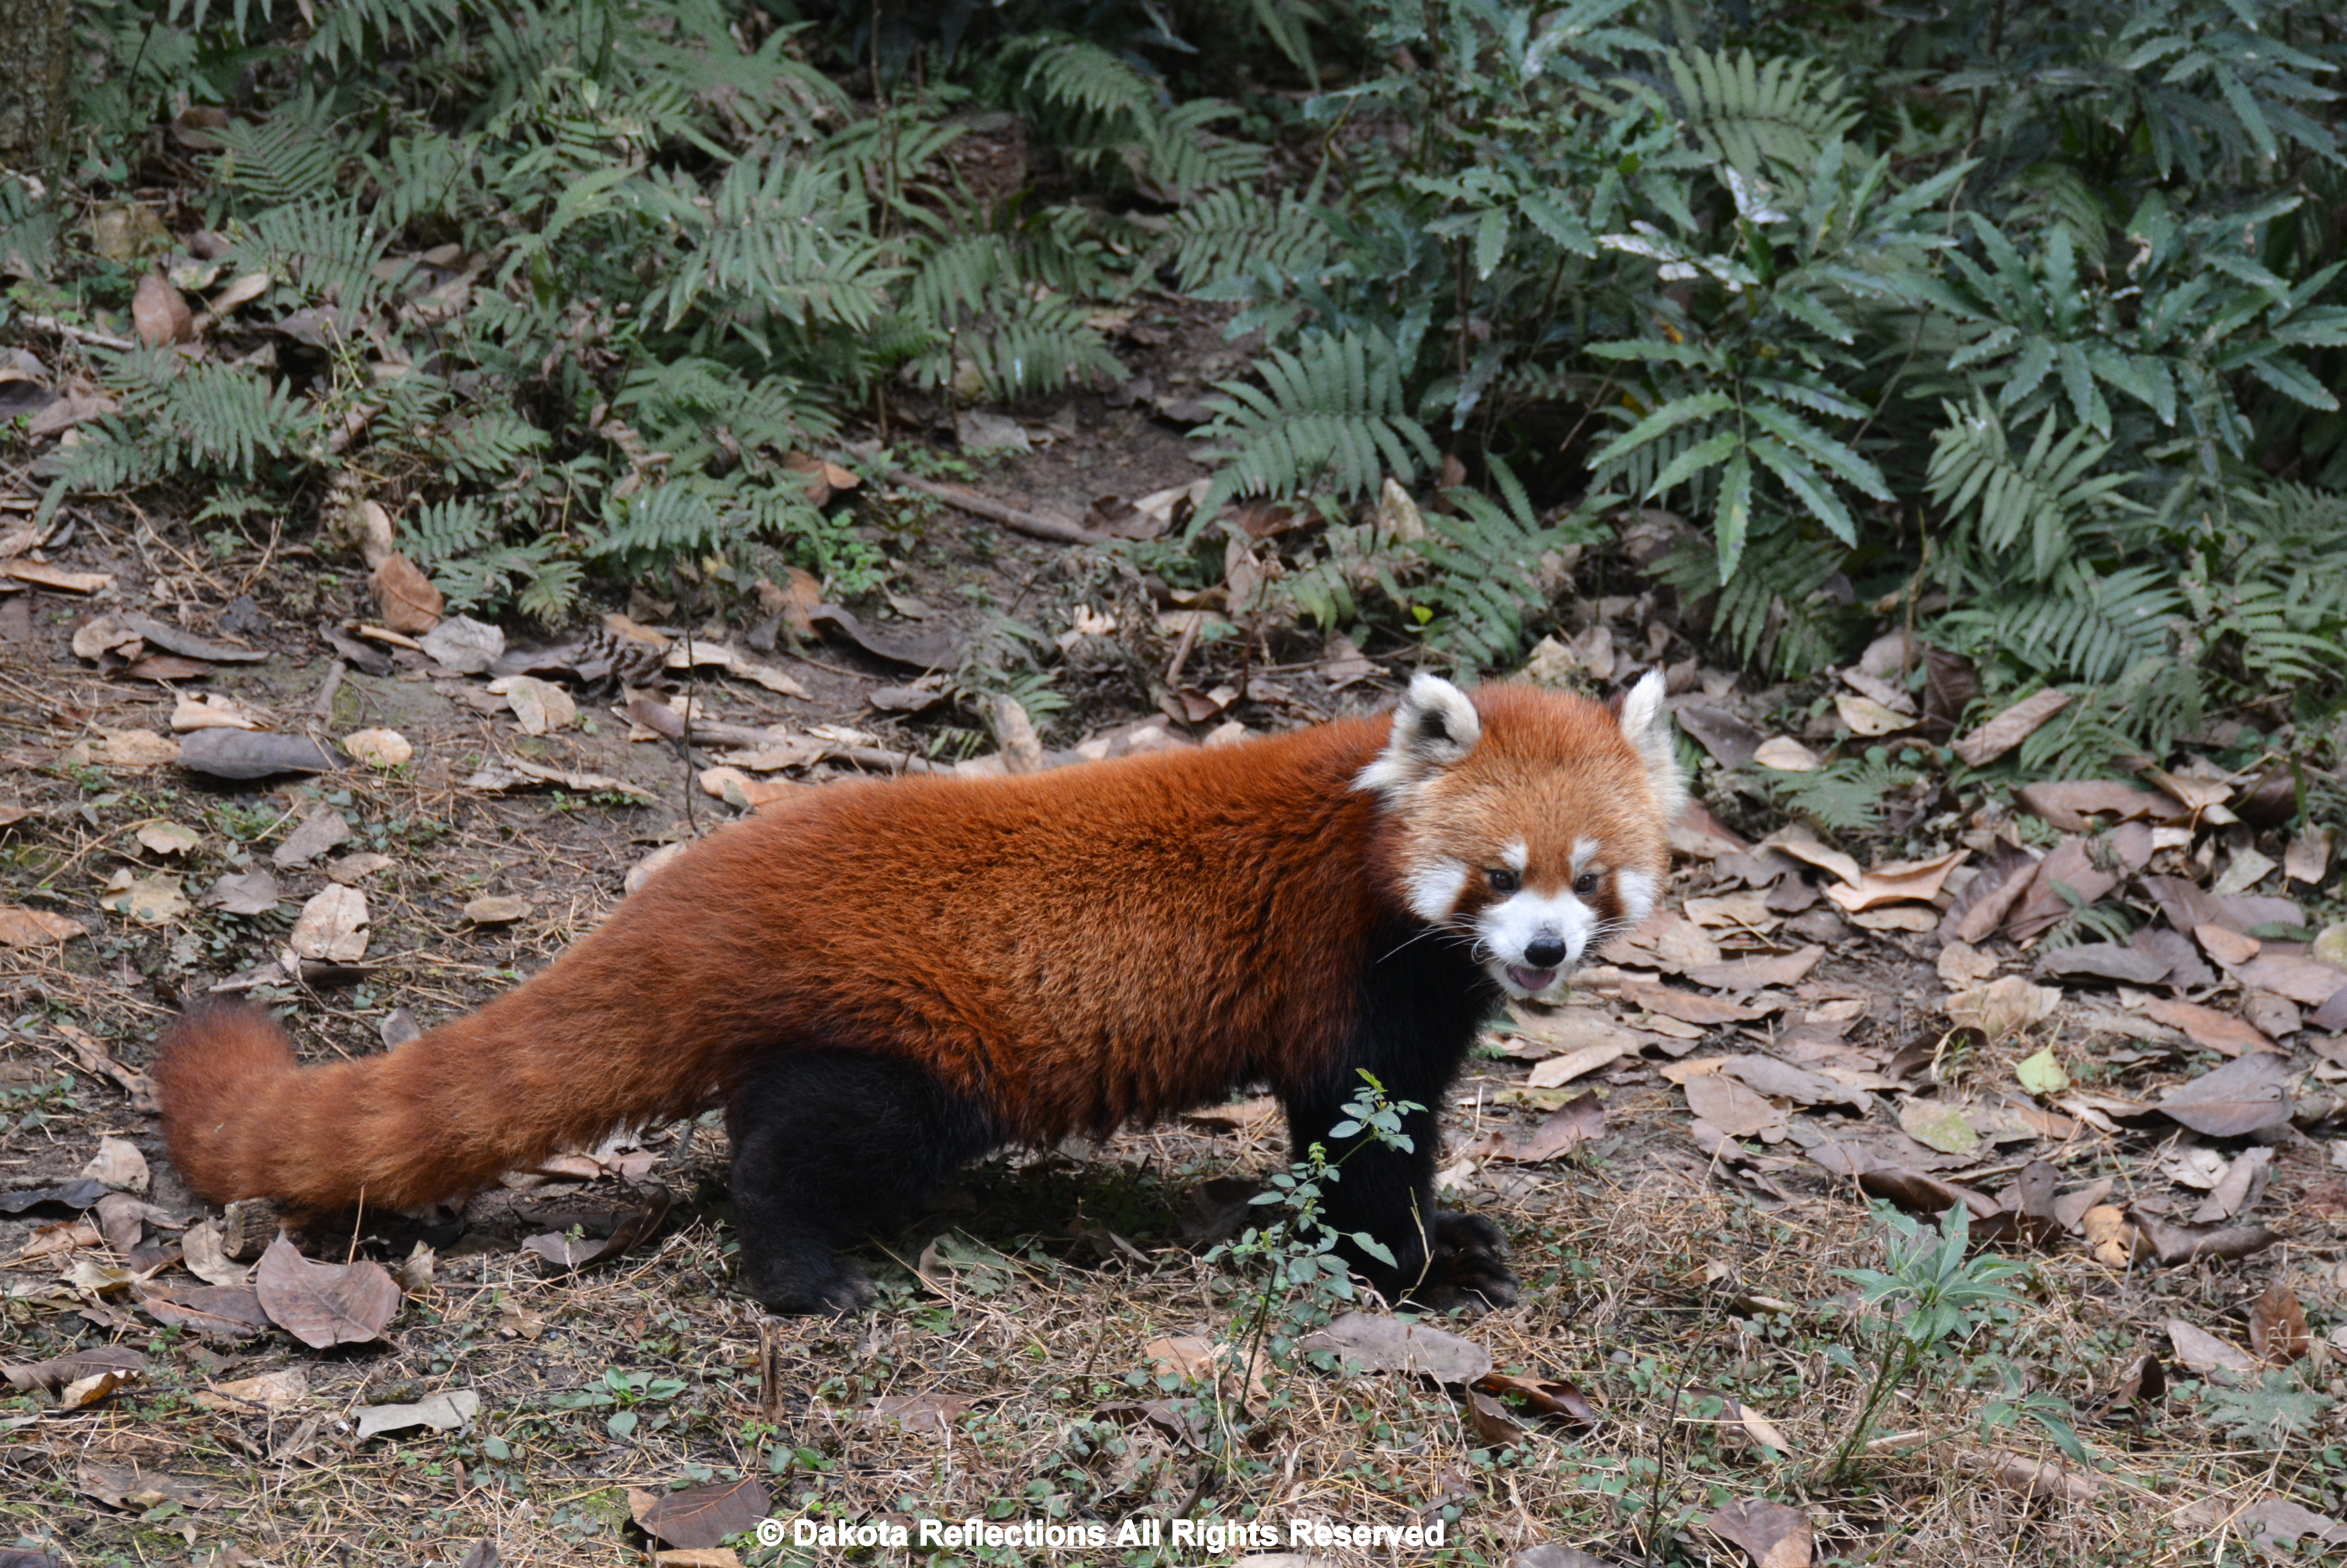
<point x="1919" y="1193"/>
<point x="377" y="748"/>
<point x="127" y="1486"/>
<point x="1899" y="881"/>
<point x="1369" y="1342"/>
<point x="43" y="574"/>
<point x="2236" y="1188"/>
<point x="1787" y="755"/>
<point x="1747" y="974"/>
<point x="2066" y="805"/>
<point x="1865" y="716"/>
<point x="1963" y="965"/>
<point x="2301" y="979"/>
<point x="2036" y="1478"/>
<point x="1691" y="1006"/>
<point x="2233" y="1100"/>
<point x="737" y="788"/>
<point x="331" y="926"/>
<point x="2208" y="1028"/>
<point x="1561" y="1131"/>
<point x="270" y="1393"/>
<point x="2003" y="1007"/>
<point x="2308" y="858"/>
<point x="2114" y="1242"/>
<point x="159" y="313"/>
<point x="931" y="1414"/>
<point x="1543" y="1396"/>
<point x="408" y="600"/>
<point x="1772" y="1534"/>
<point x="324" y="1304"/>
<point x="2277" y="1331"/>
<point x="2010" y="728"/>
<point x="119" y="1165"/>
<point x="2228" y="947"/>
<point x="702" y="1516"/>
<point x="74" y="1366"/>
<point x="1557" y="1071"/>
<point x="1802" y="844"/>
<point x="2177" y="1243"/>
<point x="2204" y="1353"/>
<point x="1730" y="1106"/>
<point x="21" y="927"/>
<point x="2043" y="904"/>
<point x="222" y="1312"/>
<point x="1746" y="908"/>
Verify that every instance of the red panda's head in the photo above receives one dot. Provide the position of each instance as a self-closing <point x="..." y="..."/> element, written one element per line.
<point x="1534" y="825"/>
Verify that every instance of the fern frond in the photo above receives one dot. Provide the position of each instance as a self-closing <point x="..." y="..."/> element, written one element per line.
<point x="1751" y="115"/>
<point x="1328" y="416"/>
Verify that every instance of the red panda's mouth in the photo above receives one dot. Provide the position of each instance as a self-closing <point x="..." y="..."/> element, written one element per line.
<point x="1531" y="979"/>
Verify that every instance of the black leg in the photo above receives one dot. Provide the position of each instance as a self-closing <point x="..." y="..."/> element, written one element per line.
<point x="1443" y="1259"/>
<point x="825" y="1143"/>
<point x="1422" y="1006"/>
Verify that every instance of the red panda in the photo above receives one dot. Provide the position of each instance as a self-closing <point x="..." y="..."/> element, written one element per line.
<point x="893" y="978"/>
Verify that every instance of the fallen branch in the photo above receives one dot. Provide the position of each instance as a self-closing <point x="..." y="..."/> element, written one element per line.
<point x="80" y="334"/>
<point x="1034" y="524"/>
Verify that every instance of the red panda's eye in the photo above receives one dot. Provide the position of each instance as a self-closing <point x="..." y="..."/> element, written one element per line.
<point x="1502" y="881"/>
<point x="1585" y="883"/>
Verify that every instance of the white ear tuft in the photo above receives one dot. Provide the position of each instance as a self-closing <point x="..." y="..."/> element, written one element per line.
<point x="1434" y="728"/>
<point x="1647" y="724"/>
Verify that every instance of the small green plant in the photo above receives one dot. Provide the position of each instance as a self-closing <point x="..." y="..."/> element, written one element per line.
<point x="1305" y="1280"/>
<point x="1932" y="1298"/>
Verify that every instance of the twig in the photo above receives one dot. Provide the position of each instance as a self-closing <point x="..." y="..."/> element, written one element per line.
<point x="323" y="705"/>
<point x="1034" y="524"/>
<point x="1182" y="649"/>
<point x="80" y="334"/>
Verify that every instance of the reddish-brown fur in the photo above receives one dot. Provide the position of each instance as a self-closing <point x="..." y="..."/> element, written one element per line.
<point x="1073" y="949"/>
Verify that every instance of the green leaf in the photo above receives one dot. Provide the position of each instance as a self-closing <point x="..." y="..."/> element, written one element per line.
<point x="1662" y="422"/>
<point x="2042" y="1073"/>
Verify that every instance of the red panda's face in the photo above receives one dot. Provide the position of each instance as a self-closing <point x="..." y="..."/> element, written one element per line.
<point x="1532" y="826"/>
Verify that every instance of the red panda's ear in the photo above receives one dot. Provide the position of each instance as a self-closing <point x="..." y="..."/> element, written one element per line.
<point x="1434" y="728"/>
<point x="1647" y="724"/>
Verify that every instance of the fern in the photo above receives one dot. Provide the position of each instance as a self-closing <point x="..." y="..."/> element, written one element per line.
<point x="2137" y="717"/>
<point x="1487" y="557"/>
<point x="2005" y="500"/>
<point x="489" y="444"/>
<point x="283" y="160"/>
<point x="1326" y="416"/>
<point x="1841" y="796"/>
<point x="1775" y="613"/>
<point x="2083" y="623"/>
<point x="1751" y="115"/>
<point x="1237" y="231"/>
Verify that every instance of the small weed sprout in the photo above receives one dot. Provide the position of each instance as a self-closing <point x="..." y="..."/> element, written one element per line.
<point x="1305" y="1281"/>
<point x="1935" y="1296"/>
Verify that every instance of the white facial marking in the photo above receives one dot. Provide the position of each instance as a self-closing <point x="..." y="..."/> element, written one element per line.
<point x="1529" y="920"/>
<point x="1516" y="856"/>
<point x="1637" y="890"/>
<point x="1582" y="848"/>
<point x="1432" y="890"/>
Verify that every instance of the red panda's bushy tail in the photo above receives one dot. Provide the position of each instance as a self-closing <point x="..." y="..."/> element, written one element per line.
<point x="439" y="1117"/>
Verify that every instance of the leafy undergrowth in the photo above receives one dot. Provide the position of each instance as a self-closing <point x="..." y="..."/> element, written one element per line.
<point x="1725" y="1349"/>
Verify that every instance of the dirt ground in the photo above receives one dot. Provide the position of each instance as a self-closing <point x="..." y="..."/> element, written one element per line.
<point x="1028" y="1357"/>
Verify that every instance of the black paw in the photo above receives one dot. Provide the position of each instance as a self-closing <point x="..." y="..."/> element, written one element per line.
<point x="1466" y="1269"/>
<point x="791" y="1292"/>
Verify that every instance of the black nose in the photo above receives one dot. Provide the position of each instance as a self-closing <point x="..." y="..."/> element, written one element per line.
<point x="1545" y="952"/>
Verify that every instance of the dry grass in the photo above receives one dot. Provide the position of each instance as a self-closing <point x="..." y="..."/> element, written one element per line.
<point x="1059" y="1270"/>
